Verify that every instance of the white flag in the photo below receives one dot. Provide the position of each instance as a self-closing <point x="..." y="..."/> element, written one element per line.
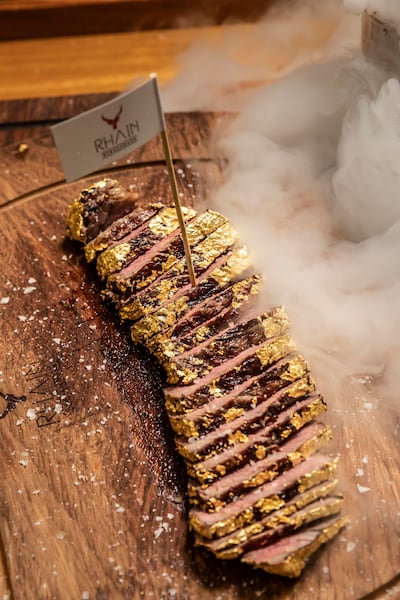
<point x="97" y="137"/>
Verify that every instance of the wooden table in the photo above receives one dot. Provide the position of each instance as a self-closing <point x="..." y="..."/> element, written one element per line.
<point x="92" y="493"/>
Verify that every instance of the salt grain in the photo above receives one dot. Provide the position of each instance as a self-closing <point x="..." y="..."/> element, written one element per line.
<point x="363" y="489"/>
<point x="31" y="414"/>
<point x="4" y="300"/>
<point x="29" y="289"/>
<point x="350" y="546"/>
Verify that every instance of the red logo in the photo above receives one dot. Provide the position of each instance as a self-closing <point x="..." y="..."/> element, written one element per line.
<point x="114" y="121"/>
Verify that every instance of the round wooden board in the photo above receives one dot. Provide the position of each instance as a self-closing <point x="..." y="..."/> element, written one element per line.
<point x="92" y="493"/>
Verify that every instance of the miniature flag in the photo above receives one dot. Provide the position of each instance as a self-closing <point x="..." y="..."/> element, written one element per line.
<point x="97" y="137"/>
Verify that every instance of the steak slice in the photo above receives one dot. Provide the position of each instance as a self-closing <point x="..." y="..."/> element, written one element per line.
<point x="206" y="315"/>
<point x="161" y="257"/>
<point x="121" y="257"/>
<point x="274" y="423"/>
<point x="235" y="264"/>
<point x="232" y="545"/>
<point x="289" y="555"/>
<point x="203" y="419"/>
<point x="196" y="362"/>
<point x="258" y="445"/>
<point x="132" y="223"/>
<point x="232" y="373"/>
<point x="206" y="256"/>
<point x="97" y="207"/>
<point x="263" y="500"/>
<point x="281" y="457"/>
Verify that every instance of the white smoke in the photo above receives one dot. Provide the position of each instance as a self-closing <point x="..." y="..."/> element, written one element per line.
<point x="387" y="9"/>
<point x="313" y="185"/>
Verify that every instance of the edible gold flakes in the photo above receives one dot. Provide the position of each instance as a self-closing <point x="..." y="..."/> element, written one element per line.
<point x="275" y="323"/>
<point x="152" y="324"/>
<point x="167" y="221"/>
<point x="237" y="438"/>
<point x="317" y="476"/>
<point x="315" y="443"/>
<point x="185" y="427"/>
<point x="237" y="262"/>
<point x="225" y="548"/>
<point x="75" y="221"/>
<point x="301" y="387"/>
<point x="307" y="414"/>
<point x="261" y="452"/>
<point x="233" y="413"/>
<point x="275" y="350"/>
<point x="293" y="565"/>
<point x="295" y="369"/>
<point x="112" y="259"/>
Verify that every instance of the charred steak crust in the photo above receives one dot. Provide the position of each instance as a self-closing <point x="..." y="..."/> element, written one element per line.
<point x="241" y="401"/>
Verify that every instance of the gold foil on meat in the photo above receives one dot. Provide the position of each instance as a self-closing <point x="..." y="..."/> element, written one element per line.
<point x="75" y="221"/>
<point x="298" y="420"/>
<point x="238" y="437"/>
<point x="223" y="527"/>
<point x="295" y="369"/>
<point x="318" y="476"/>
<point x="214" y="245"/>
<point x="167" y="221"/>
<point x="273" y="351"/>
<point x="152" y="324"/>
<point x="233" y="413"/>
<point x="76" y="209"/>
<point x="294" y="564"/>
<point x="261" y="452"/>
<point x="274" y="324"/>
<point x="185" y="427"/>
<point x="300" y="388"/>
<point x="265" y="505"/>
<point x="112" y="259"/>
<point x="303" y="416"/>
<point x="236" y="263"/>
<point x="166" y="348"/>
<point x="228" y="547"/>
<point x="315" y="443"/>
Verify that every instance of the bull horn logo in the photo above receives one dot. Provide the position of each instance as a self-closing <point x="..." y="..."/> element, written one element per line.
<point x="114" y="121"/>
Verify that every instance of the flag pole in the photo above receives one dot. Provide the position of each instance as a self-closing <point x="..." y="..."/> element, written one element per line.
<point x="174" y="186"/>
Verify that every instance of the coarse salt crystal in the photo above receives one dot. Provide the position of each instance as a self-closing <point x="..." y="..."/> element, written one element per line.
<point x="363" y="489"/>
<point x="350" y="546"/>
<point x="29" y="289"/>
<point x="4" y="300"/>
<point x="31" y="414"/>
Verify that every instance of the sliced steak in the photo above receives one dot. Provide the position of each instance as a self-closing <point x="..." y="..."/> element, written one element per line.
<point x="206" y="315"/>
<point x="175" y="282"/>
<point x="131" y="224"/>
<point x="258" y="445"/>
<point x="254" y="473"/>
<point x="268" y="497"/>
<point x="224" y="378"/>
<point x="207" y="417"/>
<point x="231" y="545"/>
<point x="289" y="555"/>
<point x="97" y="207"/>
<point x="196" y="362"/>
<point x="276" y="423"/>
<point x="157" y="323"/>
<point x="161" y="257"/>
<point x="137" y="250"/>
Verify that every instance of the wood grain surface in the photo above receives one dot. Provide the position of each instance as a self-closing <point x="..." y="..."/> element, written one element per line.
<point x="22" y="19"/>
<point x="92" y="493"/>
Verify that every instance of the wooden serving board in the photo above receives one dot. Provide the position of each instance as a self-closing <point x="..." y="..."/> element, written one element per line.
<point x="92" y="492"/>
